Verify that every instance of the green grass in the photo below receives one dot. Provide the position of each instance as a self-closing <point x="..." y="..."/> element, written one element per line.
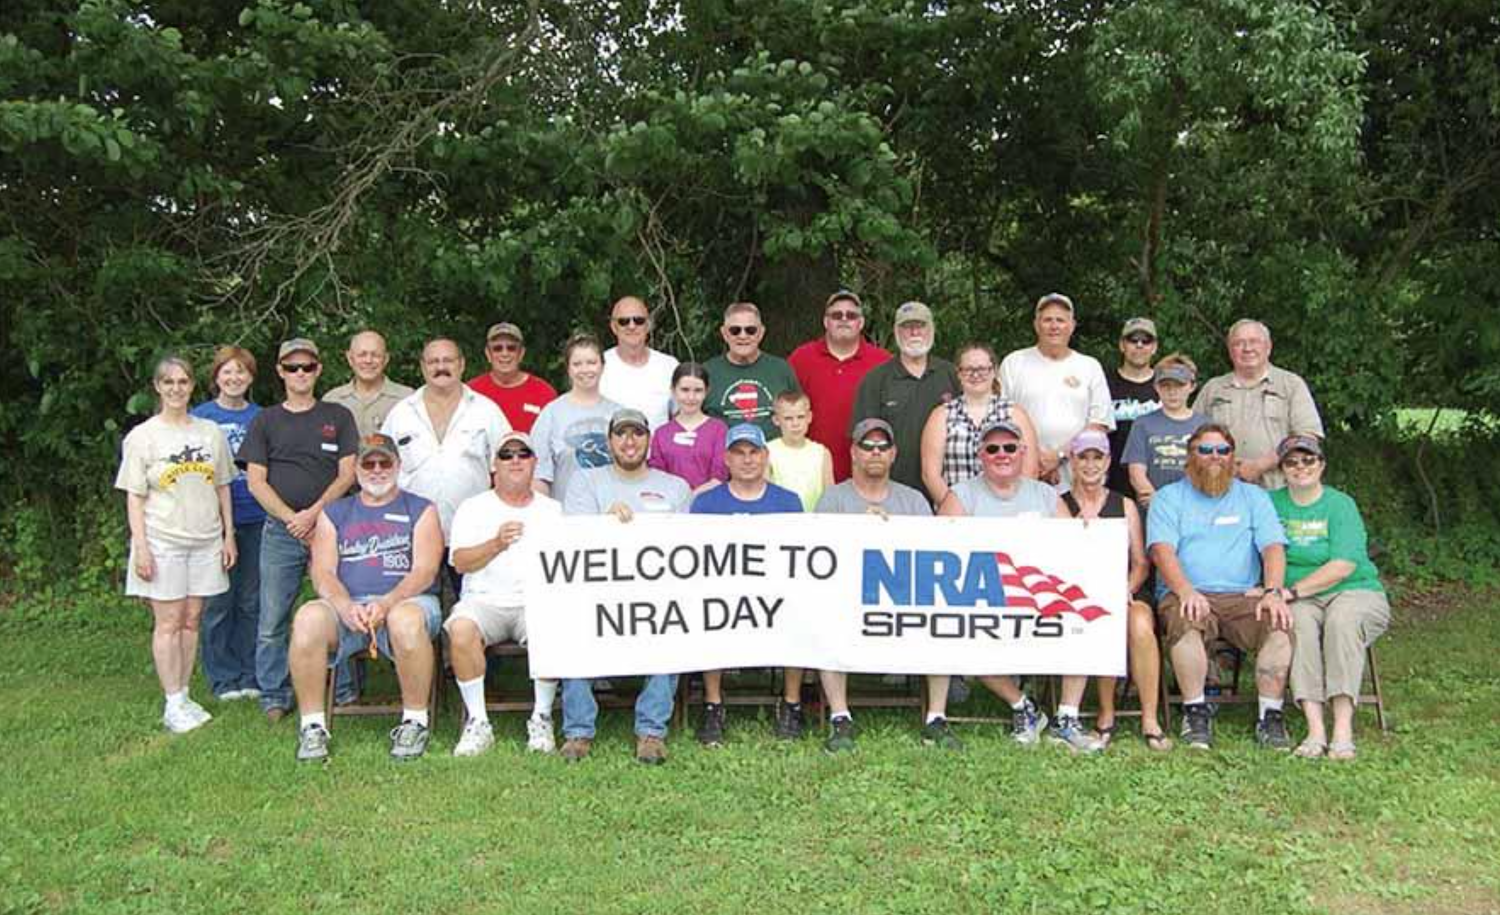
<point x="103" y="812"/>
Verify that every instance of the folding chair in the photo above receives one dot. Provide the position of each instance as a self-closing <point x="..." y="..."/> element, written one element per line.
<point x="384" y="705"/>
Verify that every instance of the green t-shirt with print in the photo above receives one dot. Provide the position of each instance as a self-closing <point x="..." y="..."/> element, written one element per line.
<point x="1329" y="528"/>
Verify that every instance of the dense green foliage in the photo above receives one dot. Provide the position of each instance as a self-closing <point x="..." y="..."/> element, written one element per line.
<point x="176" y="174"/>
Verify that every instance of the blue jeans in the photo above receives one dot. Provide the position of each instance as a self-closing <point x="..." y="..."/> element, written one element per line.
<point x="227" y="631"/>
<point x="283" y="563"/>
<point x="653" y="707"/>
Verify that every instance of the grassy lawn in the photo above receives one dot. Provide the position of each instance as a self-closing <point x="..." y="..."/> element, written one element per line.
<point x="103" y="812"/>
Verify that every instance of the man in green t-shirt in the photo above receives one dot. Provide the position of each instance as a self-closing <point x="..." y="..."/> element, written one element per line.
<point x="743" y="383"/>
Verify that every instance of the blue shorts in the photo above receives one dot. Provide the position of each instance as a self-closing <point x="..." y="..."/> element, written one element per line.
<point x="353" y="643"/>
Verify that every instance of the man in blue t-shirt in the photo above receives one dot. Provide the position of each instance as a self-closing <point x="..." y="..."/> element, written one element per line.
<point x="375" y="558"/>
<point x="748" y="492"/>
<point x="1220" y="556"/>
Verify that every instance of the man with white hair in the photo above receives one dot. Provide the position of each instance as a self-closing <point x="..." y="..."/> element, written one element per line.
<point x="1259" y="403"/>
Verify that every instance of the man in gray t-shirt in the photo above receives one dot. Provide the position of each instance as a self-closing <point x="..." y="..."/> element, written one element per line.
<point x="622" y="489"/>
<point x="870" y="490"/>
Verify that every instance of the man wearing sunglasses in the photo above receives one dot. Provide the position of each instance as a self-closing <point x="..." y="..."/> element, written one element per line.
<point x="635" y="375"/>
<point x="299" y="459"/>
<point x="625" y="488"/>
<point x="871" y="491"/>
<point x="1132" y="391"/>
<point x="1220" y="557"/>
<point x="830" y="369"/>
<point x="1002" y="490"/>
<point x="492" y="606"/>
<point x="520" y="395"/>
<point x="375" y="559"/>
<point x="1259" y="403"/>
<point x="743" y="382"/>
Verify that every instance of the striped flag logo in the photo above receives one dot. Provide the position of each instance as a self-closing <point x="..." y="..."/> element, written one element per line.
<point x="1048" y="595"/>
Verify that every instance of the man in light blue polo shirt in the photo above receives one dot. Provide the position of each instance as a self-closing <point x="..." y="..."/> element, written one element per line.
<point x="1220" y="556"/>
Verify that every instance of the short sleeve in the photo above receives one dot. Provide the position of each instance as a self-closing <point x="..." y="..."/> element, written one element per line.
<point x="348" y="431"/>
<point x="1347" y="538"/>
<point x="1135" y="445"/>
<point x="541" y="443"/>
<point x="1101" y="405"/>
<point x="255" y="449"/>
<point x="1163" y="521"/>
<point x="1304" y="411"/>
<point x="133" y="461"/>
<point x="1267" y="524"/>
<point x="223" y="461"/>
<point x="583" y="495"/>
<point x="466" y="527"/>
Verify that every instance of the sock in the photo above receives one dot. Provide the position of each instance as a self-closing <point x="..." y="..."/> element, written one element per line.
<point x="415" y="715"/>
<point x="842" y="713"/>
<point x="1067" y="711"/>
<point x="1019" y="703"/>
<point x="934" y="716"/>
<point x="175" y="700"/>
<point x="1196" y="700"/>
<point x="472" y="692"/>
<point x="317" y="718"/>
<point x="1269" y="704"/>
<point x="545" y="692"/>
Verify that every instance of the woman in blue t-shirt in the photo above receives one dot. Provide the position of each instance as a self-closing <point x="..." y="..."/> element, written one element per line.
<point x="229" y="620"/>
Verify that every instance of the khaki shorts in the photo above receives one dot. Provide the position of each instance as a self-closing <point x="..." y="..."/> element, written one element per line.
<point x="181" y="571"/>
<point x="496" y="623"/>
<point x="1231" y="617"/>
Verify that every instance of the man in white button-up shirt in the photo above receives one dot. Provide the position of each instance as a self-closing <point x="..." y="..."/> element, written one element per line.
<point x="446" y="432"/>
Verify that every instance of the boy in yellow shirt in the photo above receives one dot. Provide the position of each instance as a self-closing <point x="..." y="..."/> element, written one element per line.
<point x="797" y="462"/>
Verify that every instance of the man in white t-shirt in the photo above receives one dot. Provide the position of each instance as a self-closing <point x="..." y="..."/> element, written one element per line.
<point x="492" y="608"/>
<point x="635" y="375"/>
<point x="1063" y="390"/>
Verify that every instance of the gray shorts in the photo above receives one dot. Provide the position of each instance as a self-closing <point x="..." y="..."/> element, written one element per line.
<point x="496" y="623"/>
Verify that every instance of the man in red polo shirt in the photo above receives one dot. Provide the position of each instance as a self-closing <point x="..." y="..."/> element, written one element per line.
<point x="830" y="368"/>
<point x="519" y="395"/>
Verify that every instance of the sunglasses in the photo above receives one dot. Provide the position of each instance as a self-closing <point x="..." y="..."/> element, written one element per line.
<point x="377" y="464"/>
<point x="514" y="454"/>
<point x="505" y="347"/>
<point x="1301" y="461"/>
<point x="1220" y="450"/>
<point x="843" y="315"/>
<point x="1140" y="340"/>
<point x="306" y="368"/>
<point x="748" y="330"/>
<point x="1001" y="448"/>
<point x="628" y="320"/>
<point x="875" y="445"/>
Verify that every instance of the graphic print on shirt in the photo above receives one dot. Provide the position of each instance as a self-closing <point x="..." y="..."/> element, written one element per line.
<point x="745" y="402"/>
<point x="1306" y="531"/>
<point x="191" y="459"/>
<point x="379" y="548"/>
<point x="590" y="448"/>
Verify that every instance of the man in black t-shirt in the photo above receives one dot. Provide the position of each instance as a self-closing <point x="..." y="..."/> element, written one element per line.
<point x="299" y="458"/>
<point x="1133" y="392"/>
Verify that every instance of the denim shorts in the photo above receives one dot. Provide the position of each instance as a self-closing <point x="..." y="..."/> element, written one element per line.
<point x="353" y="643"/>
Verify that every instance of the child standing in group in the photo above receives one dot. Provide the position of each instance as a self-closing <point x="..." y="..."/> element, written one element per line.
<point x="798" y="463"/>
<point x="690" y="444"/>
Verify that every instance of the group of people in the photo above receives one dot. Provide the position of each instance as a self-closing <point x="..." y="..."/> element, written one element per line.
<point x="379" y="493"/>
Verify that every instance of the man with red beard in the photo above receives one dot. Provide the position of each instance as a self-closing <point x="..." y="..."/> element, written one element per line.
<point x="1220" y="555"/>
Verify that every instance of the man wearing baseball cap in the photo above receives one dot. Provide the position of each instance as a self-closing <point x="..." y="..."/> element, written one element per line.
<point x="747" y="492"/>
<point x="375" y="559"/>
<point x="904" y="391"/>
<point x="1131" y="391"/>
<point x="299" y="458"/>
<point x="520" y="395"/>
<point x="830" y="369"/>
<point x="1156" y="449"/>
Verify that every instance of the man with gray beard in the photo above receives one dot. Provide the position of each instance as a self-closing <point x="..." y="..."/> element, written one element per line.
<point x="904" y="390"/>
<point x="1220" y="556"/>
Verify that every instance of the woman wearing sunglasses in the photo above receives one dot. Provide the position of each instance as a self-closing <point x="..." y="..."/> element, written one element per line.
<point x="1339" y="607"/>
<point x="950" y="452"/>
<point x="570" y="434"/>
<point x="175" y="473"/>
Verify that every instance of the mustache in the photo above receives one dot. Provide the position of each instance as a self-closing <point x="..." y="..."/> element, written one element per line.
<point x="442" y="373"/>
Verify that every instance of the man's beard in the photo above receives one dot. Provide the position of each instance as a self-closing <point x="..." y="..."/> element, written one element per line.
<point x="1210" y="479"/>
<point x="377" y="490"/>
<point x="915" y="350"/>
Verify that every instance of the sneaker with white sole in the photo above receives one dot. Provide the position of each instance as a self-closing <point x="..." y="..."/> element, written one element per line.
<point x="539" y="736"/>
<point x="230" y="695"/>
<point x="408" y="740"/>
<point x="1027" y="724"/>
<point x="250" y="692"/>
<point x="197" y="711"/>
<point x="477" y="737"/>
<point x="1070" y="732"/>
<point x="179" y="720"/>
<point x="312" y="743"/>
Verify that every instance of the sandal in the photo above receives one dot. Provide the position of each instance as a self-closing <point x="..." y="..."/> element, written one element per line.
<point x="1341" y="750"/>
<point x="1310" y="749"/>
<point x="1106" y="735"/>
<point x="1158" y="741"/>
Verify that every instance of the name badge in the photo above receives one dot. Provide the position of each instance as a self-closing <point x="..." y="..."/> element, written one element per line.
<point x="685" y="439"/>
<point x="532" y="408"/>
<point x="332" y="447"/>
<point x="404" y="519"/>
<point x="1226" y="520"/>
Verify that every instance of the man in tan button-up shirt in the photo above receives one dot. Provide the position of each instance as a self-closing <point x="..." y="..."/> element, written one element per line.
<point x="369" y="395"/>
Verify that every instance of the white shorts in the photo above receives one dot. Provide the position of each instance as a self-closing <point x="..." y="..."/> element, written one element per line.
<point x="496" y="623"/>
<point x="181" y="571"/>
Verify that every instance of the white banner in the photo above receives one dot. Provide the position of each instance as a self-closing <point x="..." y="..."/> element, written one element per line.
<point x="682" y="593"/>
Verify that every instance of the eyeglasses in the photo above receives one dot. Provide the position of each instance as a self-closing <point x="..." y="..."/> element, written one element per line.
<point x="306" y="368"/>
<point x="843" y="315"/>
<point x="514" y="454"/>
<point x="376" y="464"/>
<point x="505" y="347"/>
<point x="1220" y="450"/>
<point x="1140" y="340"/>
<point x="975" y="369"/>
<point x="1301" y="461"/>
<point x="875" y="445"/>
<point x="994" y="448"/>
<point x="748" y="330"/>
<point x="628" y="320"/>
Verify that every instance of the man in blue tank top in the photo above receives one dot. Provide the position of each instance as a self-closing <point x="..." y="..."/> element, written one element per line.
<point x="374" y="561"/>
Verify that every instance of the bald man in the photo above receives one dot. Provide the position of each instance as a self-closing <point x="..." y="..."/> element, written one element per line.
<point x="369" y="395"/>
<point x="635" y="375"/>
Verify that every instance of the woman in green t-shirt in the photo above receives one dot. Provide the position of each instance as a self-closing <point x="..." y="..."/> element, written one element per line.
<point x="1339" y="607"/>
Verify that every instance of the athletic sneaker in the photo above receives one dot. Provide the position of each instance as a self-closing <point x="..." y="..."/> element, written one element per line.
<point x="250" y="693"/>
<point x="711" y="728"/>
<point x="408" y="740"/>
<point x="230" y="695"/>
<point x="312" y="743"/>
<point x="539" y="738"/>
<point x="477" y="737"/>
<point x="179" y="720"/>
<point x="937" y="733"/>
<point x="788" y="720"/>
<point x="1070" y="732"/>
<point x="1027" y="724"/>
<point x="841" y="739"/>
<point x="1270" y="731"/>
<point x="1198" y="726"/>
<point x="197" y="711"/>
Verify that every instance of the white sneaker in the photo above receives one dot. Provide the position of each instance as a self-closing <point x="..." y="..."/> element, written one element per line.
<point x="179" y="720"/>
<point x="197" y="711"/>
<point x="251" y="693"/>
<point x="539" y="735"/>
<point x="230" y="695"/>
<point x="477" y="737"/>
